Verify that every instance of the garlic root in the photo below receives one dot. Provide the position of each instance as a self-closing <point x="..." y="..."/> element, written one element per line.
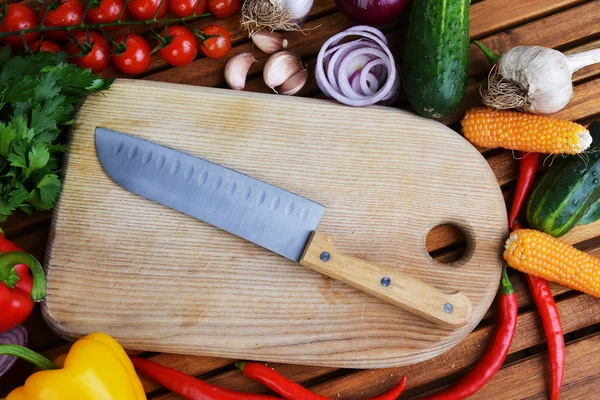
<point x="262" y="15"/>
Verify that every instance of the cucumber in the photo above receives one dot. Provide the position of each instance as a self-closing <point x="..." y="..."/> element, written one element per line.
<point x="592" y="215"/>
<point x="436" y="56"/>
<point x="567" y="191"/>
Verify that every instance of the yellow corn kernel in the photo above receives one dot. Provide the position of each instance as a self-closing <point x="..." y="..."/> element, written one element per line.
<point x="489" y="128"/>
<point x="537" y="253"/>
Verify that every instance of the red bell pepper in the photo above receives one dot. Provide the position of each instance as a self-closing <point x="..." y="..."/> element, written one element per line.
<point x="18" y="289"/>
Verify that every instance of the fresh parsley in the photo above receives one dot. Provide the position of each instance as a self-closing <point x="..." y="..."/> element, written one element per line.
<point x="38" y="96"/>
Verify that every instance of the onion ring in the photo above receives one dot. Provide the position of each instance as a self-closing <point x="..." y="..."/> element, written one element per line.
<point x="360" y="72"/>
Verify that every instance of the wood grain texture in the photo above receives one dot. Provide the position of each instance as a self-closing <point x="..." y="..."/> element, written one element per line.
<point x="581" y="379"/>
<point x="175" y="284"/>
<point x="554" y="31"/>
<point x="411" y="294"/>
<point x="576" y="312"/>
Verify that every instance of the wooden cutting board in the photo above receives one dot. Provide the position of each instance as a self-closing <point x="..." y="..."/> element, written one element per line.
<point x="158" y="280"/>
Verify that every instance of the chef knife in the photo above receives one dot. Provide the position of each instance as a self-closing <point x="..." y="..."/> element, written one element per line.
<point x="278" y="220"/>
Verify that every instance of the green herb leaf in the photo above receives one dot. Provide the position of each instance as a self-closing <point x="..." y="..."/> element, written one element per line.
<point x="17" y="196"/>
<point x="5" y="210"/>
<point x="17" y="157"/>
<point x="49" y="188"/>
<point x="7" y="134"/>
<point x="38" y="96"/>
<point x="38" y="157"/>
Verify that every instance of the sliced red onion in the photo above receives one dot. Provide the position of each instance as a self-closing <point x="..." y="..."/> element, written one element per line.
<point x="395" y="92"/>
<point x="369" y="29"/>
<point x="366" y="76"/>
<point x="16" y="335"/>
<point x="338" y="64"/>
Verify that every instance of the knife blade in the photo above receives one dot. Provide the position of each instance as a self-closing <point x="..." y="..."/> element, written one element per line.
<point x="271" y="217"/>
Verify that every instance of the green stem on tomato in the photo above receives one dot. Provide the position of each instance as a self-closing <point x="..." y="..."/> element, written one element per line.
<point x="12" y="258"/>
<point x="158" y="9"/>
<point x="122" y="11"/>
<point x="82" y="26"/>
<point x="28" y="355"/>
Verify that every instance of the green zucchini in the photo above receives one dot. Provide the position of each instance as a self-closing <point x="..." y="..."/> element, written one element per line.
<point x="567" y="191"/>
<point x="436" y="56"/>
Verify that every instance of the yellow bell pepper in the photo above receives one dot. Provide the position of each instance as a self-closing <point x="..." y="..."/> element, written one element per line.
<point x="96" y="368"/>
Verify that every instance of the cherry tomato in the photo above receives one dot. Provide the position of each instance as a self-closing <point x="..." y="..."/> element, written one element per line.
<point x="45" y="45"/>
<point x="136" y="58"/>
<point x="183" y="48"/>
<point x="97" y="59"/>
<point x="223" y="8"/>
<point x="108" y="11"/>
<point x="217" y="46"/>
<point x="185" y="8"/>
<point x="18" y="17"/>
<point x="69" y="13"/>
<point x="144" y="10"/>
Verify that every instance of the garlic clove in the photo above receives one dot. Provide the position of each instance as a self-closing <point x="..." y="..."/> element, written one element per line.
<point x="294" y="83"/>
<point x="237" y="69"/>
<point x="280" y="67"/>
<point x="269" y="42"/>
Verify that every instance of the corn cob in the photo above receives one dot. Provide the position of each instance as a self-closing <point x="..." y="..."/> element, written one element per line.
<point x="489" y="128"/>
<point x="537" y="253"/>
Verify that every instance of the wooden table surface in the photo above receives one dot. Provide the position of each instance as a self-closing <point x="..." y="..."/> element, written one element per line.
<point x="567" y="25"/>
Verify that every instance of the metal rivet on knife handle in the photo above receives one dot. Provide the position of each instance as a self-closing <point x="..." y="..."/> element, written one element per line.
<point x="325" y="256"/>
<point x="407" y="292"/>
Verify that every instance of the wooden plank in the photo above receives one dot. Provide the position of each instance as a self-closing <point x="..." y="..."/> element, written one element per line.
<point x="554" y="31"/>
<point x="491" y="16"/>
<point x="576" y="313"/>
<point x="528" y="379"/>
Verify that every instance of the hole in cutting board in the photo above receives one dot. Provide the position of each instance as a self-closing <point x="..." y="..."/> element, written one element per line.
<point x="446" y="243"/>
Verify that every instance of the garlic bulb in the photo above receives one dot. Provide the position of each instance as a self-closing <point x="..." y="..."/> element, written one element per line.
<point x="535" y="79"/>
<point x="298" y="9"/>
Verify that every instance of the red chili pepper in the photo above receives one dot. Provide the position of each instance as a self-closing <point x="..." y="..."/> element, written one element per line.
<point x="528" y="166"/>
<point x="188" y="386"/>
<point x="394" y="393"/>
<point x="542" y="295"/>
<point x="291" y="390"/>
<point x="546" y="306"/>
<point x="496" y="352"/>
<point x="18" y="292"/>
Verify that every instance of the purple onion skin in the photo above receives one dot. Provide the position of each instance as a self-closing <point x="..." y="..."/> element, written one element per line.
<point x="16" y="335"/>
<point x="371" y="12"/>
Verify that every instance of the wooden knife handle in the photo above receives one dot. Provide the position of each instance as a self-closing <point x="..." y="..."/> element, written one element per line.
<point x="387" y="284"/>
